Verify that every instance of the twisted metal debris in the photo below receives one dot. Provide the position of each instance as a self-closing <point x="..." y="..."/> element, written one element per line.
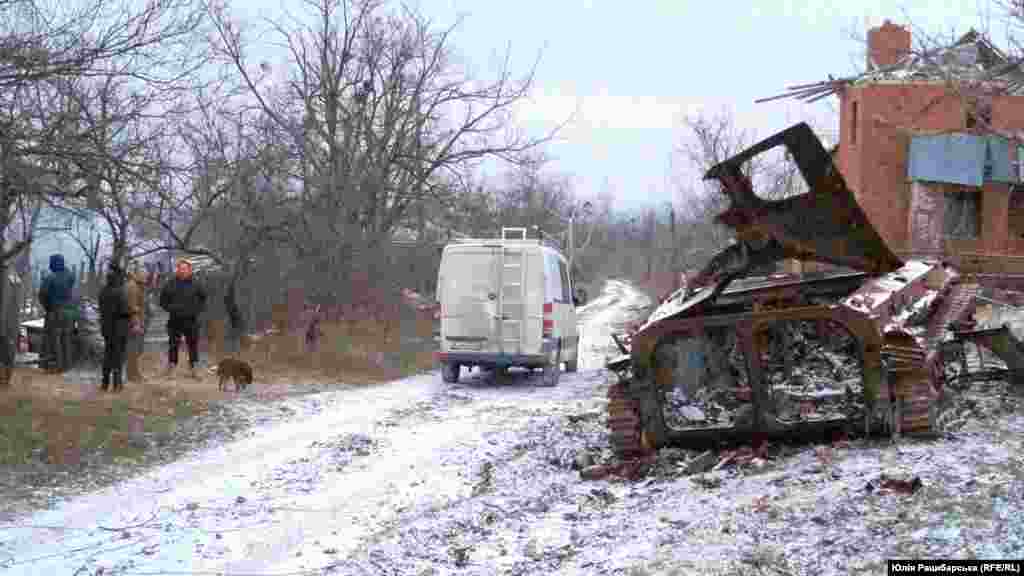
<point x="746" y="358"/>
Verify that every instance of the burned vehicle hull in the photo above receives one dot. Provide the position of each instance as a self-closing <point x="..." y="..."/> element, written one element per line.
<point x="725" y="360"/>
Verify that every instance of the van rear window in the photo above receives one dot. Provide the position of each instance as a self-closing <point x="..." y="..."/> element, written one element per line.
<point x="553" y="285"/>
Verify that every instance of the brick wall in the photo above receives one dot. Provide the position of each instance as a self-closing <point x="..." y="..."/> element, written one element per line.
<point x="874" y="162"/>
<point x="876" y="122"/>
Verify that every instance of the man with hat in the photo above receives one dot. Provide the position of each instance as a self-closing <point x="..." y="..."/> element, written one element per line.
<point x="184" y="299"/>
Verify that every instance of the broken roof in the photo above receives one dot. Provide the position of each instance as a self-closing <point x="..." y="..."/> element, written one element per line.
<point x="972" y="58"/>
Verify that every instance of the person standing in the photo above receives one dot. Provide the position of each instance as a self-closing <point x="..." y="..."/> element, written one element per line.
<point x="115" y="316"/>
<point x="55" y="296"/>
<point x="184" y="299"/>
<point x="135" y="293"/>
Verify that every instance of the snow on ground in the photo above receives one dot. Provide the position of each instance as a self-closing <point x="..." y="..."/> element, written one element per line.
<point x="326" y="467"/>
<point x="417" y="477"/>
<point x="604" y="315"/>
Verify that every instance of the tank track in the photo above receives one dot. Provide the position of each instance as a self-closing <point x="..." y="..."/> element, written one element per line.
<point x="624" y="422"/>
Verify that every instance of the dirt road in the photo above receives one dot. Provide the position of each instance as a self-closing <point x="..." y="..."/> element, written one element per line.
<point x="332" y="479"/>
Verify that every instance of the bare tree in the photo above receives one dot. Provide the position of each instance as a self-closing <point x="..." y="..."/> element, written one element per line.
<point x="44" y="44"/>
<point x="378" y="115"/>
<point x="153" y="41"/>
<point x="535" y="198"/>
<point x="117" y="127"/>
<point x="86" y="234"/>
<point x="224" y="192"/>
<point x="708" y="139"/>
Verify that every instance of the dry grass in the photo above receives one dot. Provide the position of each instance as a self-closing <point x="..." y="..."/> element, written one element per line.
<point x="363" y="351"/>
<point x="67" y="418"/>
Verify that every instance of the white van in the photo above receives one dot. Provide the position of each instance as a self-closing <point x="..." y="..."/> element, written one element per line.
<point x="506" y="302"/>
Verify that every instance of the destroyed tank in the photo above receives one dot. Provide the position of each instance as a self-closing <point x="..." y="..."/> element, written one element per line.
<point x="745" y="355"/>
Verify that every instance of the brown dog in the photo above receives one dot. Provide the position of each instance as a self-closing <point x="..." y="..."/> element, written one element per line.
<point x="237" y="370"/>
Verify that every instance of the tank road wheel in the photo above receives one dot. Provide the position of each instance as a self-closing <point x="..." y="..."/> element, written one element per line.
<point x="450" y="372"/>
<point x="624" y="422"/>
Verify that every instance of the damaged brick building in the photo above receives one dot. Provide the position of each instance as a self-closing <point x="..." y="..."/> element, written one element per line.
<point x="931" y="145"/>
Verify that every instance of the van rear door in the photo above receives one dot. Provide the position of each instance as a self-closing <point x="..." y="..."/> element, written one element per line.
<point x="469" y="299"/>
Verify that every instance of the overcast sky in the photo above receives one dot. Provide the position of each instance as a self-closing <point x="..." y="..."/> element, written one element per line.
<point x="636" y="68"/>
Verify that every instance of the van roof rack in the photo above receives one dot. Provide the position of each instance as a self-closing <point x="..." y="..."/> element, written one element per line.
<point x="509" y="235"/>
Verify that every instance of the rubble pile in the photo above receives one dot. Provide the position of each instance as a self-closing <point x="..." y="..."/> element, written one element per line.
<point x="709" y="376"/>
<point x="812" y="372"/>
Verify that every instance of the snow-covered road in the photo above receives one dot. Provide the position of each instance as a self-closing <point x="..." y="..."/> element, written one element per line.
<point x="318" y="484"/>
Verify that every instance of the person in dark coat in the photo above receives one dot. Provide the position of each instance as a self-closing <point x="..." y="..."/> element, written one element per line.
<point x="184" y="299"/>
<point x="56" y="297"/>
<point x="115" y="316"/>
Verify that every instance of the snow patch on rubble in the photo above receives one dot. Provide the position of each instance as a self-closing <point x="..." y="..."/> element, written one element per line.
<point x="858" y="302"/>
<point x="881" y="289"/>
<point x="912" y="314"/>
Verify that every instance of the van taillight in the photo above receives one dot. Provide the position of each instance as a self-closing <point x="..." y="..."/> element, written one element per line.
<point x="549" y="323"/>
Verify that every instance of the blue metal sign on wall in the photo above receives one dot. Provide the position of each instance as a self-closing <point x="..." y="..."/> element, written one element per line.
<point x="966" y="159"/>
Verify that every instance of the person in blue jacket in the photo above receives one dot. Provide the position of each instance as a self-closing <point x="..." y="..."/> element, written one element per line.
<point x="56" y="297"/>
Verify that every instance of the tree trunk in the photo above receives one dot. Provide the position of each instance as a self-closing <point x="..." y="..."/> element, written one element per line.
<point x="8" y="317"/>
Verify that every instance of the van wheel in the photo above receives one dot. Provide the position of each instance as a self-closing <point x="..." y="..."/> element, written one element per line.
<point x="501" y="375"/>
<point x="572" y="365"/>
<point x="450" y="372"/>
<point x="549" y="377"/>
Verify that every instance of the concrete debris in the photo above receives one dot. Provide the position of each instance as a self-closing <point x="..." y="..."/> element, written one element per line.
<point x="582" y="461"/>
<point x="595" y="472"/>
<point x="631" y="470"/>
<point x="710" y="480"/>
<point x="702" y="463"/>
<point x="900" y="484"/>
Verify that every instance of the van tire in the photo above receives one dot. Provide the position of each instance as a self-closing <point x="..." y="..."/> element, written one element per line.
<point x="500" y="375"/>
<point x="551" y="372"/>
<point x="572" y="365"/>
<point x="450" y="372"/>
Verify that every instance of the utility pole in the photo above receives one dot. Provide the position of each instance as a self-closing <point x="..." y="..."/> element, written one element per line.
<point x="572" y="240"/>
<point x="572" y="233"/>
